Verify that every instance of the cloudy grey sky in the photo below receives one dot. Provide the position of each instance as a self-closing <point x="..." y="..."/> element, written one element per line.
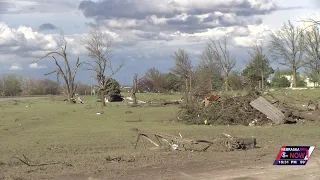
<point x="146" y="32"/>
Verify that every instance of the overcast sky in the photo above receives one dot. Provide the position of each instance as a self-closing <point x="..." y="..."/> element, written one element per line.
<point x="146" y="32"/>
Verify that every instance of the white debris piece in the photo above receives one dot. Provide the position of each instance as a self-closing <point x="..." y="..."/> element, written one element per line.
<point x="141" y="102"/>
<point x="129" y="98"/>
<point x="175" y="146"/>
<point x="80" y="100"/>
<point x="253" y="123"/>
<point x="100" y="113"/>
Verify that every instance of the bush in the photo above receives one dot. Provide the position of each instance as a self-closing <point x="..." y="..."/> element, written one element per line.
<point x="40" y="87"/>
<point x="280" y="82"/>
<point x="11" y="85"/>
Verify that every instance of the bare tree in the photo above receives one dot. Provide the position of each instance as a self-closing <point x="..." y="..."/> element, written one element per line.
<point x="183" y="68"/>
<point x="98" y="45"/>
<point x="209" y="66"/>
<point x="312" y="49"/>
<point x="312" y="22"/>
<point x="218" y="50"/>
<point x="67" y="74"/>
<point x="287" y="44"/>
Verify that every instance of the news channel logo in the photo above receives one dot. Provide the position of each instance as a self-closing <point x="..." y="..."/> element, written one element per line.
<point x="294" y="155"/>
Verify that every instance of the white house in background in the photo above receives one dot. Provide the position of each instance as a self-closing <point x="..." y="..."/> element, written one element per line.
<point x="311" y="84"/>
<point x="306" y="80"/>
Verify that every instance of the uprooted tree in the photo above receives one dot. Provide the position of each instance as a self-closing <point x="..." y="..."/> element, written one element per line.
<point x="67" y="74"/>
<point x="98" y="45"/>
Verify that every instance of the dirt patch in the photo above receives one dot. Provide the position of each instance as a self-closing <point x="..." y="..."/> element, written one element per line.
<point x="217" y="169"/>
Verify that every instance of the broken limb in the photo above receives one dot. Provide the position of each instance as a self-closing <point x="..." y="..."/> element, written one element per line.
<point x="175" y="140"/>
<point x="27" y="162"/>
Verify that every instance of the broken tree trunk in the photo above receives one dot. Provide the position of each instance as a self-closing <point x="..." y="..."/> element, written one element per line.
<point x="135" y="89"/>
<point x="262" y="105"/>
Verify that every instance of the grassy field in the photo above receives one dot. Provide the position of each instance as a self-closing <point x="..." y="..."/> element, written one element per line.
<point x="49" y="130"/>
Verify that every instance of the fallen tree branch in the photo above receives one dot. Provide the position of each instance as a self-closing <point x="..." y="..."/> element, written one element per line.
<point x="27" y="162"/>
<point x="118" y="159"/>
<point x="171" y="140"/>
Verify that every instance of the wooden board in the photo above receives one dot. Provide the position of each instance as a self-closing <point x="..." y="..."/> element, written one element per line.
<point x="262" y="105"/>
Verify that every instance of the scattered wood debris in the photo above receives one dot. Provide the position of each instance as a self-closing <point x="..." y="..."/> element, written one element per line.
<point x="174" y="142"/>
<point x="119" y="159"/>
<point x="210" y="98"/>
<point x="293" y="115"/>
<point x="179" y="143"/>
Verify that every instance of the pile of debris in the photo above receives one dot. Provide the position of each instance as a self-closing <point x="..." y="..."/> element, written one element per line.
<point x="293" y="115"/>
<point x="222" y="111"/>
<point x="246" y="110"/>
<point x="172" y="142"/>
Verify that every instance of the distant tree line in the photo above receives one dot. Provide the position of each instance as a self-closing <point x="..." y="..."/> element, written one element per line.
<point x="291" y="46"/>
<point x="15" y="85"/>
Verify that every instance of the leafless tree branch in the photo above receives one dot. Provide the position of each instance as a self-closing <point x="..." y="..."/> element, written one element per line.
<point x="219" y="51"/>
<point x="98" y="46"/>
<point x="312" y="49"/>
<point x="67" y="75"/>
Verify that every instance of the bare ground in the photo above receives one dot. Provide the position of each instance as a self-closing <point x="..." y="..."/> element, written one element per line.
<point x="237" y="165"/>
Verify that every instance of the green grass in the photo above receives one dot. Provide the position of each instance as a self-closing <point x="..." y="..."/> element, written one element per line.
<point x="51" y="130"/>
